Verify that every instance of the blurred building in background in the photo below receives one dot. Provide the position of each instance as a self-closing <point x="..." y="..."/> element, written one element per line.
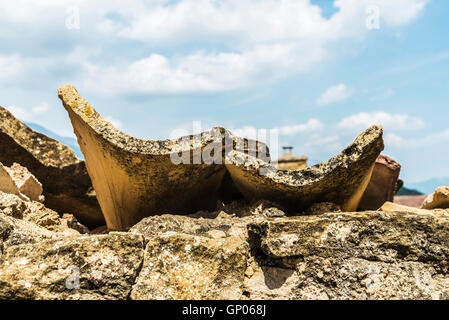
<point x="287" y="161"/>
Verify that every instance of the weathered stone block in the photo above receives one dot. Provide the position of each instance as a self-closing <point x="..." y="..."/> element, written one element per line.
<point x="383" y="236"/>
<point x="360" y="279"/>
<point x="66" y="184"/>
<point x="181" y="266"/>
<point x="438" y="199"/>
<point x="82" y="267"/>
<point x="26" y="182"/>
<point x="19" y="181"/>
<point x="38" y="214"/>
<point x="7" y="183"/>
<point x="341" y="180"/>
<point x="383" y="184"/>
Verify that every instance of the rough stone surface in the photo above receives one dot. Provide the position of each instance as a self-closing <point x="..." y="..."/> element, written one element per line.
<point x="47" y="270"/>
<point x="271" y="282"/>
<point x="7" y="183"/>
<point x="230" y="219"/>
<point x="322" y="207"/>
<point x="69" y="221"/>
<point x="38" y="214"/>
<point x="391" y="206"/>
<point x="360" y="255"/>
<point x="383" y="184"/>
<point x="15" y="231"/>
<point x="18" y="181"/>
<point x="439" y="199"/>
<point x="342" y="180"/>
<point x="152" y="226"/>
<point x="372" y="235"/>
<point x="26" y="182"/>
<point x="181" y="266"/>
<point x="236" y="252"/>
<point x="360" y="279"/>
<point x="67" y="186"/>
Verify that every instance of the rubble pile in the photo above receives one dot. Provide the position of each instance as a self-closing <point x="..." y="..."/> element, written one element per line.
<point x="208" y="216"/>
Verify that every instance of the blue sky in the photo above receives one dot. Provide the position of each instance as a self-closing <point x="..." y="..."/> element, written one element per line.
<point x="312" y="69"/>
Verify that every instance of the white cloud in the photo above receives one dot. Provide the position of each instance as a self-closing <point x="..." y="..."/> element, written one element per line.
<point x="312" y="125"/>
<point x="399" y="12"/>
<point x="202" y="71"/>
<point x="261" y="47"/>
<point x="249" y="132"/>
<point x="39" y="108"/>
<point x="18" y="68"/>
<point x="431" y="139"/>
<point x="174" y="22"/>
<point x="319" y="141"/>
<point x="225" y="46"/>
<point x="330" y="143"/>
<point x="309" y="126"/>
<point x="394" y="140"/>
<point x="337" y="93"/>
<point x="227" y="22"/>
<point x="389" y="121"/>
<point x="383" y="96"/>
<point x="11" y="66"/>
<point x="26" y="114"/>
<point x="116" y="123"/>
<point x="270" y="20"/>
<point x="352" y="14"/>
<point x="81" y="54"/>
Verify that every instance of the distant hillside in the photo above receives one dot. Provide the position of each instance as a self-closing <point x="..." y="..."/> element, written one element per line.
<point x="408" y="192"/>
<point x="68" y="141"/>
<point x="430" y="185"/>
